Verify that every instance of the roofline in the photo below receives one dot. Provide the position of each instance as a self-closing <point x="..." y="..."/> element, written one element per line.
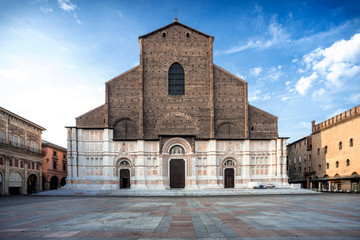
<point x="90" y="111"/>
<point x="230" y="73"/>
<point x="175" y="23"/>
<point x="53" y="145"/>
<point x="264" y="111"/>
<point x="23" y="119"/>
<point x="122" y="73"/>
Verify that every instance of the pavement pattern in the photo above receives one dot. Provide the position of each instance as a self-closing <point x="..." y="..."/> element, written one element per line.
<point x="320" y="216"/>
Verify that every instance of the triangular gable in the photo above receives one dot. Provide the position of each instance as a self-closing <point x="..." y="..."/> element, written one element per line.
<point x="172" y="24"/>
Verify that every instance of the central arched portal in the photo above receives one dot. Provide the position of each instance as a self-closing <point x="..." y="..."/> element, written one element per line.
<point x="177" y="173"/>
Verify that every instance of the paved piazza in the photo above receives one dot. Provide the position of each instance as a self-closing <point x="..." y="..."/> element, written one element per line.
<point x="320" y="216"/>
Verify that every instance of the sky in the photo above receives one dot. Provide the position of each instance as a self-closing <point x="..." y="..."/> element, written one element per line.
<point x="301" y="59"/>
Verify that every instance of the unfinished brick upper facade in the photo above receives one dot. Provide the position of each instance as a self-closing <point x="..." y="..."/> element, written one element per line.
<point x="214" y="100"/>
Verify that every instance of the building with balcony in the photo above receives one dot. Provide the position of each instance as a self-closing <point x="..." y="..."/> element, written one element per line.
<point x="20" y="154"/>
<point x="328" y="159"/>
<point x="54" y="167"/>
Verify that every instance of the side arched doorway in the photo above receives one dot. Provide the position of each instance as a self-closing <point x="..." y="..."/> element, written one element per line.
<point x="124" y="174"/>
<point x="177" y="173"/>
<point x="54" y="183"/>
<point x="229" y="174"/>
<point x="124" y="178"/>
<point x="31" y="184"/>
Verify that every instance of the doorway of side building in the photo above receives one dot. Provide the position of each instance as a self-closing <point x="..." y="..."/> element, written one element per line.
<point x="54" y="183"/>
<point x="124" y="178"/>
<point x="31" y="184"/>
<point x="229" y="178"/>
<point x="177" y="173"/>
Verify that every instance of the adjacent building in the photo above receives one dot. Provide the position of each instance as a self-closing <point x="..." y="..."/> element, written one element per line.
<point x="54" y="167"/>
<point x="329" y="158"/>
<point x="176" y="120"/>
<point x="20" y="154"/>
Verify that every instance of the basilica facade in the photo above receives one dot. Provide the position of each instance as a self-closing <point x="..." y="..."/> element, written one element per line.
<point x="176" y="120"/>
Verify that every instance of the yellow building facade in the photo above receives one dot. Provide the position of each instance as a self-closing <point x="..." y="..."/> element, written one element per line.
<point x="333" y="151"/>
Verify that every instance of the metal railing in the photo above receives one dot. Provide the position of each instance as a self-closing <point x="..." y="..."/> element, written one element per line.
<point x="19" y="146"/>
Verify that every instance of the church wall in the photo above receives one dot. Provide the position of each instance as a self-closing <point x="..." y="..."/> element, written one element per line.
<point x="176" y="114"/>
<point x="262" y="124"/>
<point x="93" y="118"/>
<point x="122" y="97"/>
<point x="230" y="96"/>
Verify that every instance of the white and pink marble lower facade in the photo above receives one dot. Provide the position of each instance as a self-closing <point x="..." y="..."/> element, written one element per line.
<point x="95" y="161"/>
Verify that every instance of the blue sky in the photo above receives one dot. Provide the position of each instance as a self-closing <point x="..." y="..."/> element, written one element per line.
<point x="301" y="59"/>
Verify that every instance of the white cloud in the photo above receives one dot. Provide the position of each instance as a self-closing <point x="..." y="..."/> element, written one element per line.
<point x="306" y="125"/>
<point x="120" y="14"/>
<point x="67" y="5"/>
<point x="335" y="64"/>
<point x="257" y="95"/>
<point x="285" y="98"/>
<point x="46" y="10"/>
<point x="275" y="73"/>
<point x="255" y="72"/>
<point x="277" y="36"/>
<point x="355" y="98"/>
<point x="304" y="84"/>
<point x="318" y="94"/>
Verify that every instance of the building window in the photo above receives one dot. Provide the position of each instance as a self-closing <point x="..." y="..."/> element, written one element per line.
<point x="337" y="164"/>
<point x="64" y="166"/>
<point x="351" y="142"/>
<point x="347" y="162"/>
<point x="176" y="80"/>
<point x="319" y="167"/>
<point x="325" y="149"/>
<point x="1" y="161"/>
<point x="1" y="137"/>
<point x="54" y="164"/>
<point x="33" y="165"/>
<point x="10" y="163"/>
<point x="327" y="166"/>
<point x="318" y="151"/>
<point x="16" y="163"/>
<point x="55" y="153"/>
<point x="22" y="164"/>
<point x="340" y="145"/>
<point x="16" y="141"/>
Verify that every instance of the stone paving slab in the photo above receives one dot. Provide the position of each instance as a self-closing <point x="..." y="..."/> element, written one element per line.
<point x="175" y="192"/>
<point x="310" y="217"/>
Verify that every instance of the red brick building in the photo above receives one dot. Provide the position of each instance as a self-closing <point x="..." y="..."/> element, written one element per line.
<point x="54" y="166"/>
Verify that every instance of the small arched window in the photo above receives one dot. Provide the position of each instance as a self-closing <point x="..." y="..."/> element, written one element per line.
<point x="340" y="145"/>
<point x="351" y="142"/>
<point x="176" y="80"/>
<point x="325" y="149"/>
<point x="318" y="151"/>
<point x="337" y="164"/>
<point x="347" y="162"/>
<point x="319" y="167"/>
<point x="327" y="166"/>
